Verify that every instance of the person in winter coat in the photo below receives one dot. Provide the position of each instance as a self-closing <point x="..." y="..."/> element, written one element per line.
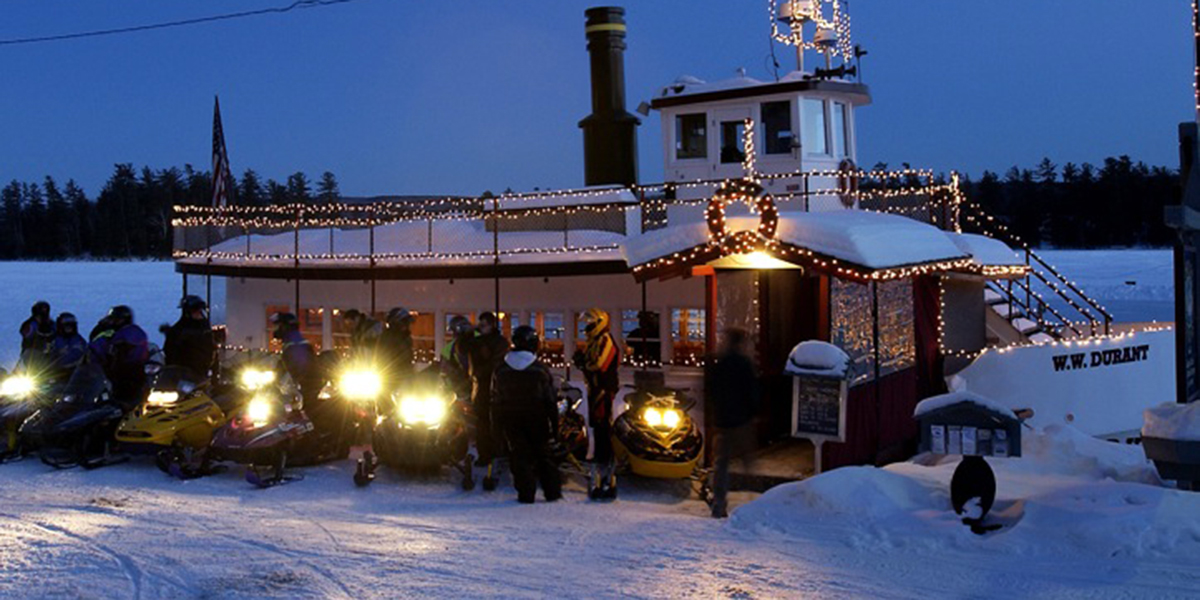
<point x="455" y="362"/>
<point x="37" y="334"/>
<point x="121" y="348"/>
<point x="364" y="333"/>
<point x="525" y="406"/>
<point x="396" y="346"/>
<point x="299" y="358"/>
<point x="731" y="390"/>
<point x="190" y="340"/>
<point x="484" y="354"/>
<point x="69" y="348"/>
<point x="599" y="361"/>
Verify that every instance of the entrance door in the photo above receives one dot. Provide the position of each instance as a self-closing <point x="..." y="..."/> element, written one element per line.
<point x="730" y="128"/>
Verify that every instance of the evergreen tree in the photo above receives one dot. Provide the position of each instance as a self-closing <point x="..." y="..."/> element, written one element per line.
<point x="83" y="217"/>
<point x="299" y="191"/>
<point x="250" y="190"/>
<point x="33" y="221"/>
<point x="13" y="240"/>
<point x="277" y="192"/>
<point x="61" y="225"/>
<point x="327" y="189"/>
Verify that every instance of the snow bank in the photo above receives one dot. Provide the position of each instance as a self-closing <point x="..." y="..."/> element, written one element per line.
<point x="1070" y="497"/>
<point x="935" y="403"/>
<point x="817" y="358"/>
<point x="1173" y="421"/>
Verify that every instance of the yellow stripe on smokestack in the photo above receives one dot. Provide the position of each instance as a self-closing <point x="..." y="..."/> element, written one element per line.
<point x="606" y="27"/>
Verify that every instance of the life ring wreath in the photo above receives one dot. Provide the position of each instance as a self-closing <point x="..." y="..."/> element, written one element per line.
<point x="751" y="194"/>
<point x="847" y="182"/>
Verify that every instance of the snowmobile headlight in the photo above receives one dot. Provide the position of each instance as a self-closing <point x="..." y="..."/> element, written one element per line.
<point x="671" y="418"/>
<point x="653" y="417"/>
<point x="259" y="411"/>
<point x="157" y="398"/>
<point x="256" y="379"/>
<point x="17" y="386"/>
<point x="422" y="410"/>
<point x="664" y="418"/>
<point x="360" y="385"/>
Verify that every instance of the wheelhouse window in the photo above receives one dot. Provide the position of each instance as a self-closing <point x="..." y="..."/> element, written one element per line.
<point x="691" y="136"/>
<point x="552" y="330"/>
<point x="816" y="127"/>
<point x="841" y="129"/>
<point x="777" y="127"/>
<point x="687" y="336"/>
<point x="733" y="141"/>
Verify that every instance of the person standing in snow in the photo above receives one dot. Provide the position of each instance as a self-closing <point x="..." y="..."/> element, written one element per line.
<point x="396" y="346"/>
<point x="37" y="334"/>
<point x="525" y="406"/>
<point x="454" y="361"/>
<point x="731" y="391"/>
<point x="121" y="348"/>
<point x="189" y="342"/>
<point x="599" y="361"/>
<point x="484" y="355"/>
<point x="364" y="333"/>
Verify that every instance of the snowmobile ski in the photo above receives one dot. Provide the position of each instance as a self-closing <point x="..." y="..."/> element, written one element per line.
<point x="255" y="478"/>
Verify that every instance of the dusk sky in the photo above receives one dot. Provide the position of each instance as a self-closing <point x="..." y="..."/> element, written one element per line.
<point x="408" y="97"/>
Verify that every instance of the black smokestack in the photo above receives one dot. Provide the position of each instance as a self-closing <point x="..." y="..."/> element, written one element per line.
<point x="610" y="132"/>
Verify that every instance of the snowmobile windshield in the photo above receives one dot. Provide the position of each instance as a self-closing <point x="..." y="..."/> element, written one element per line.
<point x="86" y="384"/>
<point x="176" y="379"/>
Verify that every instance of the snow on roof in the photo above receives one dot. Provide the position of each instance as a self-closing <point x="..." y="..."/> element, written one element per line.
<point x="985" y="251"/>
<point x="936" y="403"/>
<point x="687" y="84"/>
<point x="818" y="358"/>
<point x="1173" y="421"/>
<point x="869" y="239"/>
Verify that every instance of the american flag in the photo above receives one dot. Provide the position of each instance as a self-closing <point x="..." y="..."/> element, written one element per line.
<point x="221" y="175"/>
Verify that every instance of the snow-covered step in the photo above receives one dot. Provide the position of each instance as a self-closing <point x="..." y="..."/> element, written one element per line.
<point x="1026" y="326"/>
<point x="1041" y="337"/>
<point x="1007" y="311"/>
<point x="991" y="296"/>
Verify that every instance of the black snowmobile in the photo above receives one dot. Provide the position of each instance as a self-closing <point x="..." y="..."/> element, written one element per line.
<point x="420" y="429"/>
<point x="22" y="393"/>
<point x="572" y="428"/>
<point x="77" y="429"/>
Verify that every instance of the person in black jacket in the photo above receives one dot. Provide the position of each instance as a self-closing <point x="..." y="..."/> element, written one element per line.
<point x="37" y="335"/>
<point x="396" y="346"/>
<point x="525" y="406"/>
<point x="731" y="390"/>
<point x="190" y="340"/>
<point x="484" y="354"/>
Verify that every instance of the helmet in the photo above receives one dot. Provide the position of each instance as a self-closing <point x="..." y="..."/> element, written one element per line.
<point x="525" y="338"/>
<point x="399" y="315"/>
<point x="597" y="322"/>
<point x="40" y="308"/>
<point x="352" y="314"/>
<point x="283" y="323"/>
<point x="192" y="303"/>
<point x="459" y="325"/>
<point x="67" y="321"/>
<point x="120" y="315"/>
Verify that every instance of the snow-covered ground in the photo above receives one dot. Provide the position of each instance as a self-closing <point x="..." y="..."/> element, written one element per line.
<point x="1086" y="519"/>
<point x="1134" y="285"/>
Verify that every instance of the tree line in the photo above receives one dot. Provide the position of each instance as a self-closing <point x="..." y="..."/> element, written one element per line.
<point x="131" y="216"/>
<point x="1118" y="203"/>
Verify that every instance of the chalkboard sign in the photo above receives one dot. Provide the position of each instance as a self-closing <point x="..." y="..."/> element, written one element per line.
<point x="818" y="407"/>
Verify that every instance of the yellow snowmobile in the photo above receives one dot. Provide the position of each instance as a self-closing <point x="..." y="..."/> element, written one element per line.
<point x="656" y="437"/>
<point x="176" y="420"/>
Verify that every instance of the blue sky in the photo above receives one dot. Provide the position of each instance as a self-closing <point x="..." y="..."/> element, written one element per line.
<point x="408" y="96"/>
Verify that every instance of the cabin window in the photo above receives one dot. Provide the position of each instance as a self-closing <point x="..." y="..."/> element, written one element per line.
<point x="777" y="127"/>
<point x="640" y="329"/>
<point x="424" y="337"/>
<point x="733" y="141"/>
<point x="552" y="331"/>
<point x="509" y="321"/>
<point x="688" y="335"/>
<point x="841" y="129"/>
<point x="691" y="136"/>
<point x="312" y="326"/>
<point x="816" y="134"/>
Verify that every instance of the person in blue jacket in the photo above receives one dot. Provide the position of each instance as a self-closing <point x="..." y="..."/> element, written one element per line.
<point x="68" y="349"/>
<point x="121" y="348"/>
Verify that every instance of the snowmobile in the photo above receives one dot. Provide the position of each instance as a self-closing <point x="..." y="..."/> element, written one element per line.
<point x="656" y="437"/>
<point x="420" y="430"/>
<point x="176" y="421"/>
<point x="572" y="427"/>
<point x="355" y="394"/>
<point x="271" y="430"/>
<point x="21" y="395"/>
<point x="77" y="429"/>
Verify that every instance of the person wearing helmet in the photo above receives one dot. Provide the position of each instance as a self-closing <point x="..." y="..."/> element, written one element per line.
<point x="189" y="342"/>
<point x="121" y="348"/>
<point x="396" y="345"/>
<point x="299" y="358"/>
<point x="599" y="361"/>
<point x="37" y="332"/>
<point x="525" y="406"/>
<point x="68" y="348"/>
<point x="364" y="333"/>
<point x="485" y="353"/>
<point x="454" y="361"/>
